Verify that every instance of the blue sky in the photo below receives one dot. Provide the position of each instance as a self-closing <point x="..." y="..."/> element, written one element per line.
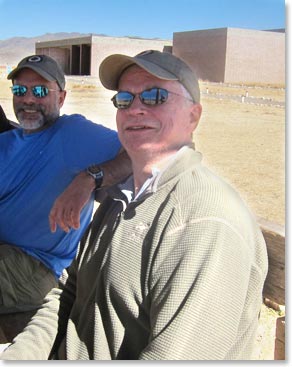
<point x="142" y="18"/>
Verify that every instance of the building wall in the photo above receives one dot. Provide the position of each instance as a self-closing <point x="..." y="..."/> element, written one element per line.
<point x="61" y="55"/>
<point x="228" y="55"/>
<point x="233" y="55"/>
<point x="204" y="51"/>
<point x="255" y="56"/>
<point x="101" y="47"/>
<point x="105" y="46"/>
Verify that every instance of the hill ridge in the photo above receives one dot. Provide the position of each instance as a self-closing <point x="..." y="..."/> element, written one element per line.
<point x="13" y="49"/>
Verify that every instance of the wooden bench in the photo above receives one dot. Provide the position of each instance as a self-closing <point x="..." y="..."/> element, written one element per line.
<point x="274" y="288"/>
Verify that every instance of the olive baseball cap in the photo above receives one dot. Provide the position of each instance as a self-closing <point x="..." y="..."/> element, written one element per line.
<point x="163" y="65"/>
<point x="44" y="65"/>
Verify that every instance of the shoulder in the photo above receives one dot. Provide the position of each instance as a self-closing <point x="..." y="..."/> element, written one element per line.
<point x="74" y="118"/>
<point x="204" y="197"/>
<point x="80" y="122"/>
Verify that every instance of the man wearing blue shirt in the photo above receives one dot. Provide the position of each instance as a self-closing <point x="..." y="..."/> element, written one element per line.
<point x="38" y="161"/>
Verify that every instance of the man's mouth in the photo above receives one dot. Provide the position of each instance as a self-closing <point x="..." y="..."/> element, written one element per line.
<point x="26" y="110"/>
<point x="138" y="128"/>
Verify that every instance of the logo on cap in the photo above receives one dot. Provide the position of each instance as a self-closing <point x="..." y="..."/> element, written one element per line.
<point x="148" y="52"/>
<point x="35" y="59"/>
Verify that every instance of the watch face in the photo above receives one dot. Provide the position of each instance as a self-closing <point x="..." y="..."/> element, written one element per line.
<point x="97" y="173"/>
<point x="94" y="169"/>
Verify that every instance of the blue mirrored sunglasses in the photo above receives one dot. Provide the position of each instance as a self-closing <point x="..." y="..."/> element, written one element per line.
<point x="39" y="91"/>
<point x="149" y="97"/>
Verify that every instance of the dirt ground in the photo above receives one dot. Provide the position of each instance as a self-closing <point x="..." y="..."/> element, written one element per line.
<point x="243" y="141"/>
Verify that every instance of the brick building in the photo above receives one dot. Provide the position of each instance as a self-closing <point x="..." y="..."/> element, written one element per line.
<point x="233" y="55"/>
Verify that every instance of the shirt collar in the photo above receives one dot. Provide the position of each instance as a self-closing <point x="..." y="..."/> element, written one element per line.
<point x="150" y="185"/>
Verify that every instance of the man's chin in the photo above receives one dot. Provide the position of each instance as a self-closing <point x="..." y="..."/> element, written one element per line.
<point x="30" y="125"/>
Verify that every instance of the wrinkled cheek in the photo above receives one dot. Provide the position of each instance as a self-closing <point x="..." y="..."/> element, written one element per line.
<point x="134" y="142"/>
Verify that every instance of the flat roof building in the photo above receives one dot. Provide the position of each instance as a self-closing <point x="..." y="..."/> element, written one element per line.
<point x="228" y="55"/>
<point x="233" y="55"/>
<point x="82" y="55"/>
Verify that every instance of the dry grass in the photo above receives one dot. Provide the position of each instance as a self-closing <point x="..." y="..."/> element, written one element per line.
<point x="265" y="92"/>
<point x="246" y="145"/>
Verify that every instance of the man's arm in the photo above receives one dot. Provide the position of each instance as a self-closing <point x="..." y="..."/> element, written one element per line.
<point x="5" y="124"/>
<point x="66" y="210"/>
<point x="200" y="277"/>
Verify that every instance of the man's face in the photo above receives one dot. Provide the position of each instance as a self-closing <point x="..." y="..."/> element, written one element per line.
<point x="35" y="113"/>
<point x="157" y="130"/>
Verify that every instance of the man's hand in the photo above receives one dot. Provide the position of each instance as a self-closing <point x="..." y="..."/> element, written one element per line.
<point x="66" y="210"/>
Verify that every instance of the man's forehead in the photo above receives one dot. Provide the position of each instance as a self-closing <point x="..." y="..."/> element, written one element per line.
<point x="136" y="74"/>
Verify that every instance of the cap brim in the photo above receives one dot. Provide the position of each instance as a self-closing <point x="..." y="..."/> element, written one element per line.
<point x="113" y="66"/>
<point x="39" y="71"/>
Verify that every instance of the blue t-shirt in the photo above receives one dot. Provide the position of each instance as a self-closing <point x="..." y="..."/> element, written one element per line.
<point x="34" y="170"/>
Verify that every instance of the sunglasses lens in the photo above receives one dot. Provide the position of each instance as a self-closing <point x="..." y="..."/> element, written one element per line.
<point x="19" y="90"/>
<point x="154" y="96"/>
<point x="149" y="97"/>
<point x="40" y="91"/>
<point x="123" y="100"/>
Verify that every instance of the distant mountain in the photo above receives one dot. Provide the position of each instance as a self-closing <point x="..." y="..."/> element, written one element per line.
<point x="12" y="50"/>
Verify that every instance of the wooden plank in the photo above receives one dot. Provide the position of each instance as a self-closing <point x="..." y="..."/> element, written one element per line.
<point x="274" y="234"/>
<point x="279" y="353"/>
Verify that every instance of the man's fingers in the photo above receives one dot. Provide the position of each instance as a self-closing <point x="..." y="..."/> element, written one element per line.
<point x="75" y="218"/>
<point x="57" y="218"/>
<point x="64" y="218"/>
<point x="67" y="208"/>
<point x="52" y="220"/>
<point x="53" y="225"/>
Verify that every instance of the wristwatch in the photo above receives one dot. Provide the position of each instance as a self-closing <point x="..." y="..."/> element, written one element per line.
<point x="97" y="173"/>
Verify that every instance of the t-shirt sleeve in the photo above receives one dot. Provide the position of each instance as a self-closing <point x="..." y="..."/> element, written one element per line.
<point x="85" y="143"/>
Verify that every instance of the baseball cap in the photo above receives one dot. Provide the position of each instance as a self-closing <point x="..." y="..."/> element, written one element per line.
<point x="44" y="65"/>
<point x="163" y="65"/>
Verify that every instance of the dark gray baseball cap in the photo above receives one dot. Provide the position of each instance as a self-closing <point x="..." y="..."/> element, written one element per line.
<point x="163" y="65"/>
<point x="44" y="65"/>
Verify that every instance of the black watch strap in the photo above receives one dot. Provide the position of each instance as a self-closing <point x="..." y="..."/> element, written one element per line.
<point x="97" y="173"/>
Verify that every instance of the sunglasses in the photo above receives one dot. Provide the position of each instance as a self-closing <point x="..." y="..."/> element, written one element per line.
<point x="149" y="97"/>
<point x="39" y="91"/>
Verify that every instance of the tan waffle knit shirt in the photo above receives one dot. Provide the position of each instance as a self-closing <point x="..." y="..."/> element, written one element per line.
<point x="175" y="275"/>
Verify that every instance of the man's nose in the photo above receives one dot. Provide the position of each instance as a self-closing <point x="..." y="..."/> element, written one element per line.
<point x="137" y="106"/>
<point x="29" y="97"/>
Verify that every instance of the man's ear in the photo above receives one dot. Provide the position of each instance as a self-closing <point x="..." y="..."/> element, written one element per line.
<point x="62" y="97"/>
<point x="195" y="115"/>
